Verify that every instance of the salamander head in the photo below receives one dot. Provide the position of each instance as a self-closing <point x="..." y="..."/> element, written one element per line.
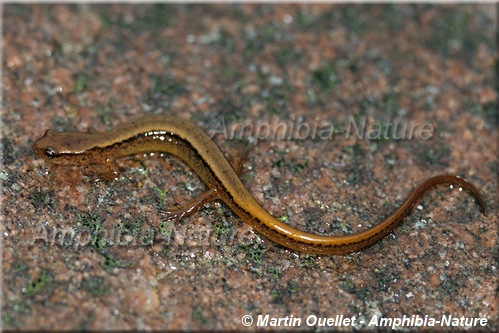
<point x="67" y="148"/>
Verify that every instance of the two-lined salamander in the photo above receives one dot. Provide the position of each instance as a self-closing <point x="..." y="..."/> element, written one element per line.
<point x="190" y="143"/>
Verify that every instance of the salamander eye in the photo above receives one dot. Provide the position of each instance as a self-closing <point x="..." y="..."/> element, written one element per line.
<point x="50" y="152"/>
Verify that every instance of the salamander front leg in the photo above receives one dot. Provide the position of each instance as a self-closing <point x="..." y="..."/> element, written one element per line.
<point x="103" y="172"/>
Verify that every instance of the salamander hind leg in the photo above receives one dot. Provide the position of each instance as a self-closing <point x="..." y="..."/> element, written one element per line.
<point x="176" y="214"/>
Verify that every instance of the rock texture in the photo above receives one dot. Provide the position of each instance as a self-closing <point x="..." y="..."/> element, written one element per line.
<point x="274" y="67"/>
